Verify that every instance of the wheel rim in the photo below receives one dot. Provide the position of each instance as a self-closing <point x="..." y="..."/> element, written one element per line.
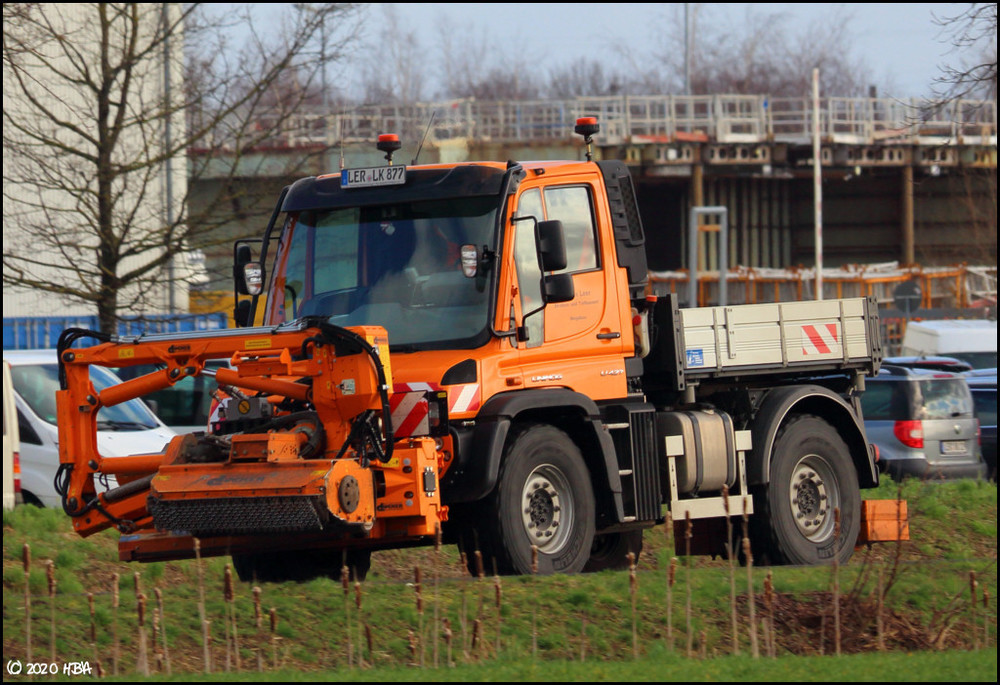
<point x="813" y="496"/>
<point x="547" y="508"/>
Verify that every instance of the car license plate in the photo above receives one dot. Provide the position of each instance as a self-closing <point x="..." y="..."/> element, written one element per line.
<point x="373" y="176"/>
<point x="953" y="447"/>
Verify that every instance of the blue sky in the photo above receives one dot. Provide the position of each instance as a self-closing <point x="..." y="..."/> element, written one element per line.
<point x="899" y="43"/>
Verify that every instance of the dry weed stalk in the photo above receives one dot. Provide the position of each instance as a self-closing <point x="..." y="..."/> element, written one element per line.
<point x="258" y="619"/>
<point x="671" y="579"/>
<point x="50" y="576"/>
<point x="419" y="598"/>
<point x="274" y="637"/>
<point x="447" y="635"/>
<point x="143" y="659"/>
<point x="163" y="629"/>
<point x="769" y="619"/>
<point x="498" y="600"/>
<point x="688" y="534"/>
<point x="986" y="617"/>
<point x="93" y="625"/>
<point x="836" y="580"/>
<point x="534" y="605"/>
<point x="227" y="597"/>
<point x="26" y="564"/>
<point x="748" y="554"/>
<point x="583" y="639"/>
<point x="202" y="616"/>
<point x="357" y="605"/>
<point x="973" y="586"/>
<point x="633" y="590"/>
<point x="734" y="624"/>
<point x="437" y="579"/>
<point x="879" y="621"/>
<point x="345" y="583"/>
<point x="115" y="604"/>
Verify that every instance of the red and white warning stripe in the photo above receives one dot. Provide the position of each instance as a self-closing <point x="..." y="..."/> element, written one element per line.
<point x="820" y="339"/>
<point x="409" y="408"/>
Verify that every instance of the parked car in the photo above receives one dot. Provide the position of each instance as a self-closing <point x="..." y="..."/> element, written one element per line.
<point x="124" y="429"/>
<point x="11" y="444"/>
<point x="935" y="363"/>
<point x="971" y="340"/>
<point x="923" y="423"/>
<point x="983" y="384"/>
<point x="185" y="406"/>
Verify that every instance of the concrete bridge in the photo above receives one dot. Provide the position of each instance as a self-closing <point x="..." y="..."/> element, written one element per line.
<point x="911" y="181"/>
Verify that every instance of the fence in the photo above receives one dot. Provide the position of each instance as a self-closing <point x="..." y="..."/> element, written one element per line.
<point x="39" y="332"/>
<point x="721" y="118"/>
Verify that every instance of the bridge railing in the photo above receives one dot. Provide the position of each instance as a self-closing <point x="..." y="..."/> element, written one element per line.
<point x="718" y="118"/>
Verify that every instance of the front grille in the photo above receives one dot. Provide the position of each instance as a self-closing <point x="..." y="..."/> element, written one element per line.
<point x="240" y="515"/>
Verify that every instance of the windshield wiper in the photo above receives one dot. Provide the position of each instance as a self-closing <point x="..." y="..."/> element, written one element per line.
<point x="123" y="425"/>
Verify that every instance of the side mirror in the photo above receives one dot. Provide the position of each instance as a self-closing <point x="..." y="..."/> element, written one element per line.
<point x="248" y="275"/>
<point x="557" y="288"/>
<point x="550" y="241"/>
<point x="241" y="313"/>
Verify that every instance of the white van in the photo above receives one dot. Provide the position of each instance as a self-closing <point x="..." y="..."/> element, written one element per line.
<point x="123" y="429"/>
<point x="11" y="444"/>
<point x="971" y="340"/>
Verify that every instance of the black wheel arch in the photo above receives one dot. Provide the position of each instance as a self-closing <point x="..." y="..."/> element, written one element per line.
<point x="781" y="403"/>
<point x="479" y="451"/>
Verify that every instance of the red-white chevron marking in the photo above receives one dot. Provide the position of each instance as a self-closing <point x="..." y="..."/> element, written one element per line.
<point x="819" y="339"/>
<point x="409" y="408"/>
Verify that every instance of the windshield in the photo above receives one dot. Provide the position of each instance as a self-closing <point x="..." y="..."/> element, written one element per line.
<point x="37" y="385"/>
<point x="395" y="266"/>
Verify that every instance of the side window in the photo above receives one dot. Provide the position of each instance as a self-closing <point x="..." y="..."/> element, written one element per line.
<point x="573" y="207"/>
<point x="27" y="432"/>
<point x="529" y="276"/>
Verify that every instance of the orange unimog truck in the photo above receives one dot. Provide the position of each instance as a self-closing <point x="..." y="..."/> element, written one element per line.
<point x="474" y="351"/>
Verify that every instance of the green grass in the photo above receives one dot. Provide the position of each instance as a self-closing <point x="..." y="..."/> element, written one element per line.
<point x="952" y="527"/>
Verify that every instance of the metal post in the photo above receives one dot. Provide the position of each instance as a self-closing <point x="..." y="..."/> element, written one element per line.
<point x="168" y="162"/>
<point x="817" y="188"/>
<point x="909" y="251"/>
<point x="694" y="229"/>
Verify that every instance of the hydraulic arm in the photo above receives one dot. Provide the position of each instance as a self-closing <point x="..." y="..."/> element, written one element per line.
<point x="302" y="445"/>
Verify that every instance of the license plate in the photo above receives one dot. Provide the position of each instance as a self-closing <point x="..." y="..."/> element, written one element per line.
<point x="373" y="176"/>
<point x="953" y="447"/>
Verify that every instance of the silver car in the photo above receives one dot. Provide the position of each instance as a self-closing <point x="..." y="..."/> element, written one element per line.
<point x="924" y="424"/>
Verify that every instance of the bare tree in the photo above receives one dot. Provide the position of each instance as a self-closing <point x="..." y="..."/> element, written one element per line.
<point x="107" y="105"/>
<point x="973" y="36"/>
<point x="754" y="53"/>
<point x="394" y="68"/>
<point x="475" y="66"/>
<point x="585" y="77"/>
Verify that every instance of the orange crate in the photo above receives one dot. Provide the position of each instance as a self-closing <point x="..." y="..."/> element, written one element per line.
<point x="883" y="520"/>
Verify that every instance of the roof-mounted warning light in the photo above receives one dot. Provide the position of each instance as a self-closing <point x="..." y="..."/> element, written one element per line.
<point x="588" y="127"/>
<point x="388" y="143"/>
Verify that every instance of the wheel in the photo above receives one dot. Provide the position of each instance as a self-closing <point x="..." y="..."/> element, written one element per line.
<point x="610" y="551"/>
<point x="544" y="498"/>
<point x="811" y="475"/>
<point x="300" y="565"/>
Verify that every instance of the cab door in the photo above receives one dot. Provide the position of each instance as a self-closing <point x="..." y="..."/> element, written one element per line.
<point x="576" y="344"/>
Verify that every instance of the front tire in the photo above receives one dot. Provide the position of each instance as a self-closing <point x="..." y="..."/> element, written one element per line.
<point x="610" y="551"/>
<point x="812" y="475"/>
<point x="544" y="498"/>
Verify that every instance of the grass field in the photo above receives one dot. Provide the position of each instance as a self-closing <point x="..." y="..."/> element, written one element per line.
<point x="607" y="626"/>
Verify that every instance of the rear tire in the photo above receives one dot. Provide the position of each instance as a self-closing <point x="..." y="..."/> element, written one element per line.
<point x="812" y="474"/>
<point x="300" y="565"/>
<point x="610" y="551"/>
<point x="544" y="498"/>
